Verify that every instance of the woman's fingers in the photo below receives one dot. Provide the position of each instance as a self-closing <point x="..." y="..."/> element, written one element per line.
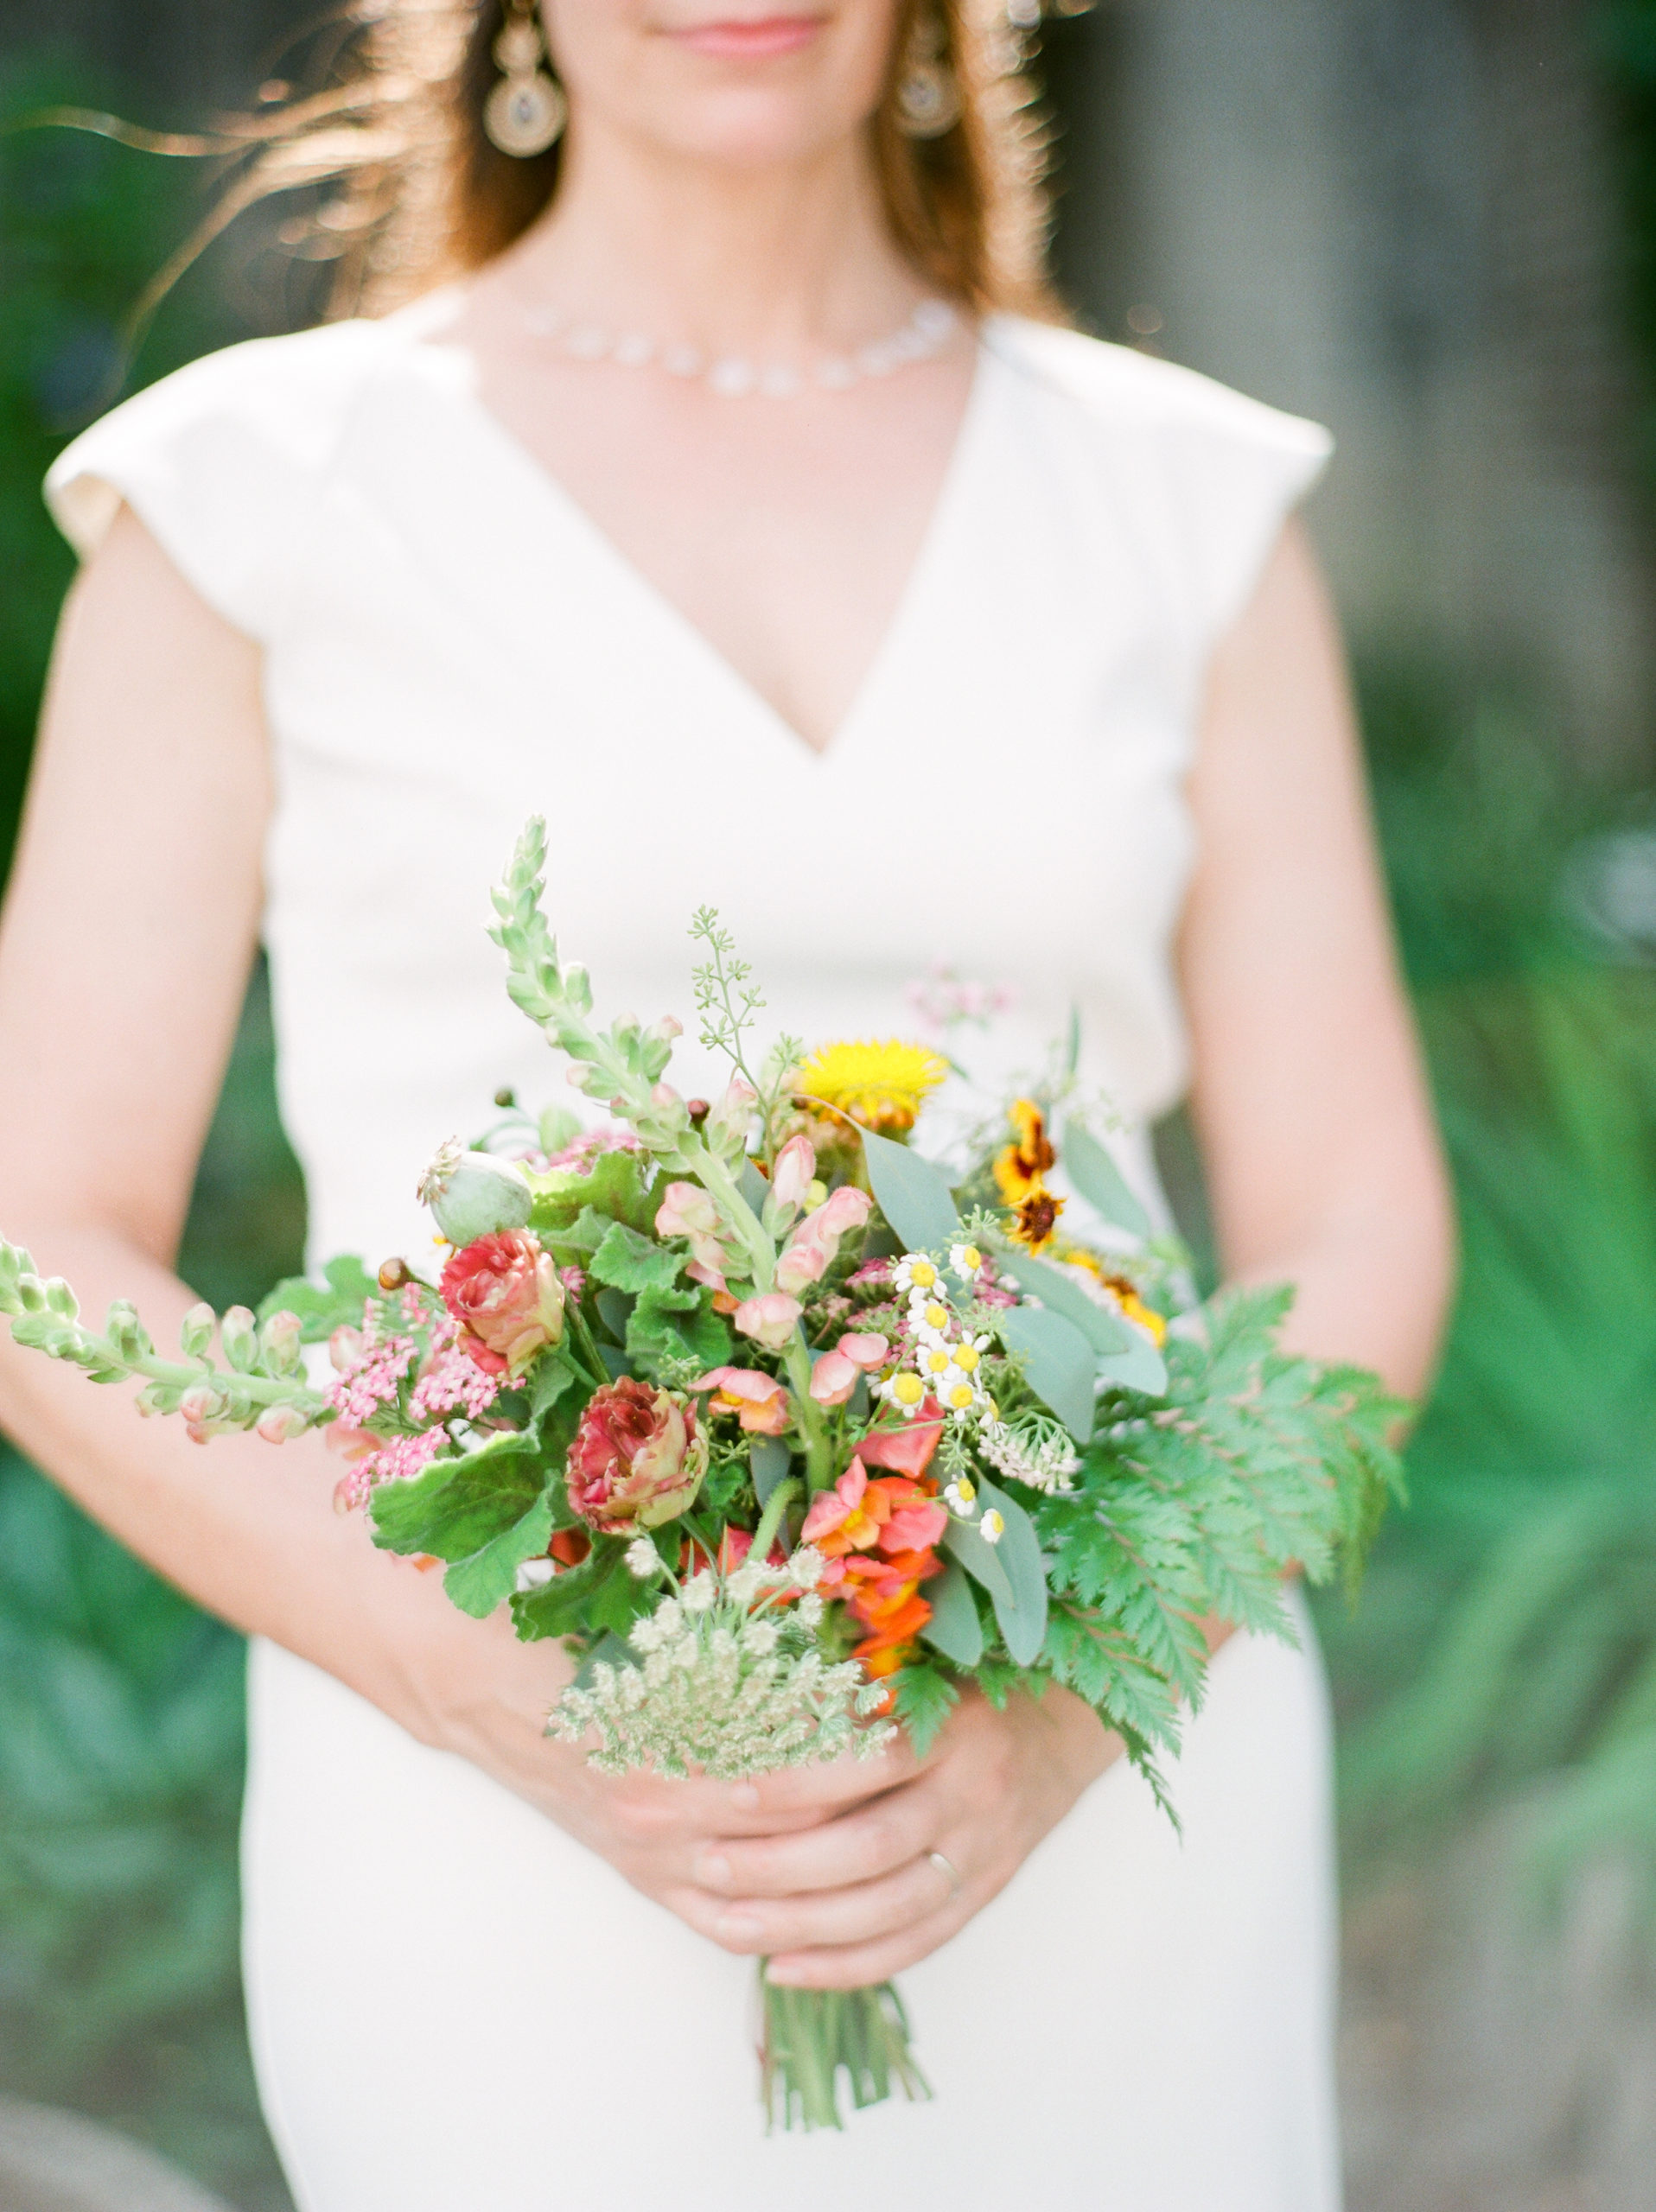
<point x="858" y="1965"/>
<point x="871" y="1840"/>
<point x="819" y="1920"/>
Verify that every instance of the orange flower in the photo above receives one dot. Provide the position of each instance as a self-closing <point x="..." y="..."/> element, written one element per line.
<point x="1034" y="1224"/>
<point x="1019" y="1169"/>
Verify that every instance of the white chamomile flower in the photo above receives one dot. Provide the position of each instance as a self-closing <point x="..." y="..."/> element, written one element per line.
<point x="992" y="1526"/>
<point x="929" y="1316"/>
<point x="935" y="1362"/>
<point x="956" y="1393"/>
<point x="914" y="1272"/>
<point x="961" y="1496"/>
<point x="642" y="1558"/>
<point x="904" y="1390"/>
<point x="966" y="1260"/>
<point x="968" y="1356"/>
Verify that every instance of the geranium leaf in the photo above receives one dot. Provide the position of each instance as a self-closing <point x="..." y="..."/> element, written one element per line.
<point x="954" y="1628"/>
<point x="1099" y="1181"/>
<point x="1059" y="1363"/>
<point x="455" y="1507"/>
<point x="913" y="1195"/>
<point x="336" y="1302"/>
<point x="630" y="1261"/>
<point x="488" y="1578"/>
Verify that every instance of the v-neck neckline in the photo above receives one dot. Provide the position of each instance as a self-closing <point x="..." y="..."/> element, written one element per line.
<point x="631" y="579"/>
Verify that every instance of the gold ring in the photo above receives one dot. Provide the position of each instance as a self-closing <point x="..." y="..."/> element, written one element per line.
<point x="945" y="1868"/>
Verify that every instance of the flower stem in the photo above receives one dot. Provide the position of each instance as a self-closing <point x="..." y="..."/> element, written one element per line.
<point x="771" y="1519"/>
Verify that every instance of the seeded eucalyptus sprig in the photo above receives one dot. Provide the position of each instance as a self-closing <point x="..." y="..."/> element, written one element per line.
<point x="261" y="1385"/>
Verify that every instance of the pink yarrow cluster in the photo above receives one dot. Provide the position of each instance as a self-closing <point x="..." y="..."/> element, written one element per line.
<point x="373" y="1370"/>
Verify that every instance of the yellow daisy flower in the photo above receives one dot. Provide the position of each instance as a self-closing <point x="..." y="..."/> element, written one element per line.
<point x="882" y="1085"/>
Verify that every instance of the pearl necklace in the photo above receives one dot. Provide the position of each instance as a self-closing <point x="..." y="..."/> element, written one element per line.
<point x="732" y="376"/>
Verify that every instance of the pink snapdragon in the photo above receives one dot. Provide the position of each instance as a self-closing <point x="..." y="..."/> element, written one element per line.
<point x="864" y="1350"/>
<point x="833" y="1377"/>
<point x="686" y="1210"/>
<point x="794" y="1172"/>
<point x="759" y="1400"/>
<point x="815" y="1244"/>
<point x="769" y="1319"/>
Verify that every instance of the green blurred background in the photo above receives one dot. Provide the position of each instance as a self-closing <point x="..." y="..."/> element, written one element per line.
<point x="1433" y="224"/>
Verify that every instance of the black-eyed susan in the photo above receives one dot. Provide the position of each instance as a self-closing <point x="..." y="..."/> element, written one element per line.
<point x="1020" y="1168"/>
<point x="880" y="1083"/>
<point x="1034" y="1218"/>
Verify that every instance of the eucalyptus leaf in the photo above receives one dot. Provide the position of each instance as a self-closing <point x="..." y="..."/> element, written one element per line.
<point x="913" y="1195"/>
<point x="1057" y="1287"/>
<point x="964" y="1541"/>
<point x="1022" y="1622"/>
<point x="954" y="1628"/>
<point x="1142" y="1368"/>
<point x="770" y="1459"/>
<point x="1059" y="1363"/>
<point x="753" y="1186"/>
<point x="1100" y="1182"/>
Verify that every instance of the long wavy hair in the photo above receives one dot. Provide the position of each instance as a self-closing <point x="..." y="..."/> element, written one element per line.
<point x="399" y="187"/>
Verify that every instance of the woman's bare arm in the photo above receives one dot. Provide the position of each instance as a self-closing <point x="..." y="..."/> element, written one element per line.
<point x="1310" y="1106"/>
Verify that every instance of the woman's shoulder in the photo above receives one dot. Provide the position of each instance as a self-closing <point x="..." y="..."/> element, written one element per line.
<point x="1120" y="389"/>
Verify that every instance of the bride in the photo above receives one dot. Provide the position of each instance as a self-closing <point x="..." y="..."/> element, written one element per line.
<point x="725" y="485"/>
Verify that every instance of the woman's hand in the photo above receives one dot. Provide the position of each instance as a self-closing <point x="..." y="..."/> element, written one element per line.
<point x="855" y="1895"/>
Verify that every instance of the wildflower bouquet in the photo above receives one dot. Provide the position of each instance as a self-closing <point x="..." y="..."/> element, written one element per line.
<point x="787" y="1436"/>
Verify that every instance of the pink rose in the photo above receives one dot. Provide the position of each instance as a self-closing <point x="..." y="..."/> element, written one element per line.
<point x="833" y="1378"/>
<point x="815" y="1244"/>
<point x="768" y="1318"/>
<point x="637" y="1460"/>
<point x="759" y="1400"/>
<point x="507" y="1297"/>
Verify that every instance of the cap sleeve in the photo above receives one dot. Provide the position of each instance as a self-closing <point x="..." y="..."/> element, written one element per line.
<point x="221" y="462"/>
<point x="1201" y="478"/>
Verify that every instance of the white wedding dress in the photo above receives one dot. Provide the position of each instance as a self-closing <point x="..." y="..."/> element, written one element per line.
<point x="454" y="2007"/>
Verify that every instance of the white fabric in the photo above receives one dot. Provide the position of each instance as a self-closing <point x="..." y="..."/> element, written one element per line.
<point x="453" y="2006"/>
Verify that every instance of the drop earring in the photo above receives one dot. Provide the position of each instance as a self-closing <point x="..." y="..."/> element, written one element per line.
<point x="526" y="111"/>
<point x="928" y="92"/>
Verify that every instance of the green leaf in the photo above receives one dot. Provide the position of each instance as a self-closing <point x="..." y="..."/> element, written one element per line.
<point x="912" y="1194"/>
<point x="1024" y="1620"/>
<point x="611" y="1186"/>
<point x="1057" y="1289"/>
<point x="677" y="1325"/>
<point x="925" y="1699"/>
<point x="550" y="1377"/>
<point x="1059" y="1363"/>
<point x="1100" y="1182"/>
<point x="962" y="1540"/>
<point x="615" y="1310"/>
<point x="954" y="1628"/>
<point x="488" y="1578"/>
<point x="336" y="1302"/>
<point x="457" y="1506"/>
<point x="770" y="1459"/>
<point x="555" y="1608"/>
<point x="630" y="1261"/>
<point x="1142" y="1368"/>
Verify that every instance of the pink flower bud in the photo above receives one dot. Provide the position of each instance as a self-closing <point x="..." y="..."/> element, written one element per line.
<point x="664" y="1097"/>
<point x="867" y="1352"/>
<point x="201" y="1404"/>
<point x="794" y="1172"/>
<point x="665" y="1031"/>
<point x="281" y="1424"/>
<point x="769" y="1319"/>
<point x="733" y="1116"/>
<point x="833" y="1378"/>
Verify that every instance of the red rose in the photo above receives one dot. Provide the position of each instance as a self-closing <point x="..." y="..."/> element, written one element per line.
<point x="637" y="1460"/>
<point x="505" y="1293"/>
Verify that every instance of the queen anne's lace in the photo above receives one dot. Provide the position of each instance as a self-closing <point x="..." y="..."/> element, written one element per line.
<point x="1033" y="1450"/>
<point x="731" y="1684"/>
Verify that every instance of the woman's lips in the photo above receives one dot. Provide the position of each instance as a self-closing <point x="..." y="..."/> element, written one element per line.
<point x="755" y="41"/>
